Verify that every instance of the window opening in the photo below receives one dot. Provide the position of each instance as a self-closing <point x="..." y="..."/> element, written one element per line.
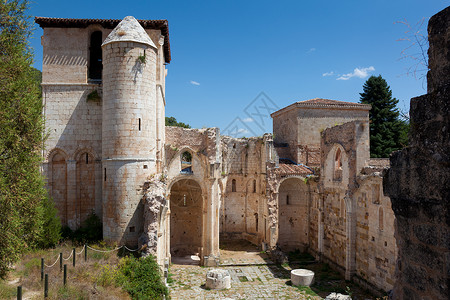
<point x="233" y="185"/>
<point x="95" y="57"/>
<point x="105" y="174"/>
<point x="256" y="222"/>
<point x="338" y="165"/>
<point x="254" y="186"/>
<point x="139" y="124"/>
<point x="186" y="162"/>
<point x="287" y="199"/>
<point x="87" y="158"/>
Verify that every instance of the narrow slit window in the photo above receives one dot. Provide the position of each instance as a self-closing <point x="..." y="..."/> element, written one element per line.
<point x="380" y="219"/>
<point x="87" y="158"/>
<point x="287" y="199"/>
<point x="139" y="124"/>
<point x="256" y="222"/>
<point x="233" y="185"/>
<point x="105" y="174"/>
<point x="254" y="186"/>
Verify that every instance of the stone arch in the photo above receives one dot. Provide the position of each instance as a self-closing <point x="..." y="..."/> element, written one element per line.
<point x="336" y="166"/>
<point x="292" y="214"/>
<point x="186" y="217"/>
<point x="198" y="167"/>
<point x="57" y="182"/>
<point x="85" y="185"/>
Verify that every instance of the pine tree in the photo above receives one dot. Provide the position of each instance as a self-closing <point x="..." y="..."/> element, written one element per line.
<point x="23" y="198"/>
<point x="387" y="131"/>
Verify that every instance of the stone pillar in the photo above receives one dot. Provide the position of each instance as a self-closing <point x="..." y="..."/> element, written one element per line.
<point x="350" y="258"/>
<point x="72" y="208"/>
<point x="419" y="179"/>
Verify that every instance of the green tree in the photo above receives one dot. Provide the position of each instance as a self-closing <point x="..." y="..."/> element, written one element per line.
<point x="23" y="198"/>
<point x="387" y="131"/>
<point x="171" y="121"/>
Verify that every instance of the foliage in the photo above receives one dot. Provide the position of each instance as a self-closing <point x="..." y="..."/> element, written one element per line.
<point x="141" y="278"/>
<point x="387" y="131"/>
<point x="51" y="227"/>
<point x="93" y="97"/>
<point x="90" y="231"/>
<point x="171" y="121"/>
<point x="22" y="192"/>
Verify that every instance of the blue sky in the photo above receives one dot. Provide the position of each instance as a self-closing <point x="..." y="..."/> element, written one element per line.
<point x="225" y="53"/>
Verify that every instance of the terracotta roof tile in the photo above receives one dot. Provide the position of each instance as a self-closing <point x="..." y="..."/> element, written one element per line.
<point x="162" y="25"/>
<point x="291" y="169"/>
<point x="328" y="102"/>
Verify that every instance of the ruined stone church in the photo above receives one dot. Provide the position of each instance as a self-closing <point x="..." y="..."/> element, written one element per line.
<point x="310" y="186"/>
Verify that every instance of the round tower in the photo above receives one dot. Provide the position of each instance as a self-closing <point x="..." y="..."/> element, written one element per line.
<point x="128" y="128"/>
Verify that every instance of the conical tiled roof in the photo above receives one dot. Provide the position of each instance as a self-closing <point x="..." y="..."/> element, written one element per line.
<point x="129" y="30"/>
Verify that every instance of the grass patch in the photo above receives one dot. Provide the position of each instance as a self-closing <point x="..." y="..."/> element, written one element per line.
<point x="307" y="290"/>
<point x="7" y="291"/>
<point x="243" y="278"/>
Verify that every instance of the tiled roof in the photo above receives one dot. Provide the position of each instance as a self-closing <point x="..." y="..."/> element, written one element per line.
<point x="291" y="169"/>
<point x="328" y="102"/>
<point x="323" y="103"/>
<point x="162" y="25"/>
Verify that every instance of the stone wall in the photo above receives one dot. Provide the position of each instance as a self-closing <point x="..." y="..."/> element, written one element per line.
<point x="419" y="179"/>
<point x="299" y="125"/>
<point x="243" y="198"/>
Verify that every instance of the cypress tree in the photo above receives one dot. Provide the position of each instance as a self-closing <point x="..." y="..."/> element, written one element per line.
<point x="387" y="131"/>
<point x="23" y="198"/>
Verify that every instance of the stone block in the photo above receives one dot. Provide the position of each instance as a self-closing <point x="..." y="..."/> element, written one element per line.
<point x="217" y="279"/>
<point x="302" y="277"/>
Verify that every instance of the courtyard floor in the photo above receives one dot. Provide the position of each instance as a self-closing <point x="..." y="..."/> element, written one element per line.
<point x="254" y="276"/>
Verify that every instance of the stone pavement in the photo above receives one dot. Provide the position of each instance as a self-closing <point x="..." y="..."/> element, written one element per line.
<point x="247" y="282"/>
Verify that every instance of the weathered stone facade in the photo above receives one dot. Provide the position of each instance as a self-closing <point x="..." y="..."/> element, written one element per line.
<point x="419" y="179"/>
<point x="176" y="191"/>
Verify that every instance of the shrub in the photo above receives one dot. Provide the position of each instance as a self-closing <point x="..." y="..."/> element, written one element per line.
<point x="51" y="226"/>
<point x="90" y="231"/>
<point x="141" y="278"/>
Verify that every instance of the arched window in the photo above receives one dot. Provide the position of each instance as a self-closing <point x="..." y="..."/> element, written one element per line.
<point x="233" y="185"/>
<point x="186" y="162"/>
<point x="380" y="219"/>
<point x="338" y="165"/>
<point x="95" y="57"/>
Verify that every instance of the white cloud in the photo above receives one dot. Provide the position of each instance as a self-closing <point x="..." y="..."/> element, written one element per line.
<point x="247" y="120"/>
<point x="357" y="72"/>
<point x="328" y="74"/>
<point x="242" y="130"/>
<point x="194" y="82"/>
<point x="311" y="50"/>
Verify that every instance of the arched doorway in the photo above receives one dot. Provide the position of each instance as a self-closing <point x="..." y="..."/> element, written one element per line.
<point x="186" y="218"/>
<point x="292" y="215"/>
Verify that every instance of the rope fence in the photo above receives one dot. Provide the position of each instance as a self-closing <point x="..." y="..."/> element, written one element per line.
<point x="84" y="249"/>
<point x="60" y="258"/>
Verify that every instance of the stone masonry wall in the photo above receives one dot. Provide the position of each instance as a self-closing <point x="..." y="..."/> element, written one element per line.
<point x="419" y="179"/>
<point x="243" y="197"/>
